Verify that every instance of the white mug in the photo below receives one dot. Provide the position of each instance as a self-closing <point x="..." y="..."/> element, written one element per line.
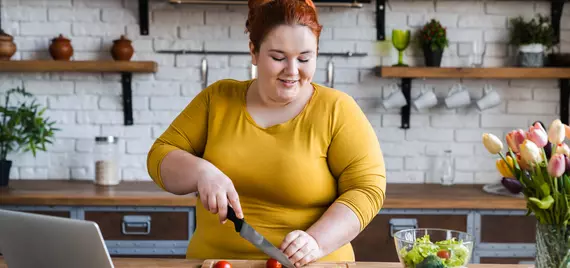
<point x="458" y="96"/>
<point x="489" y="100"/>
<point x="396" y="99"/>
<point x="427" y="99"/>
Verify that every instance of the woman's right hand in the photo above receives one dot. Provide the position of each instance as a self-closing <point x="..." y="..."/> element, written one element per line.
<point x="216" y="191"/>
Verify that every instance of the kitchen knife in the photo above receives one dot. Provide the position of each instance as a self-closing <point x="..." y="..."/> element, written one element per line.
<point x="246" y="231"/>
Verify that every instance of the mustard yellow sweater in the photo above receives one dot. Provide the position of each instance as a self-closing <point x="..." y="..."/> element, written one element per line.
<point x="286" y="175"/>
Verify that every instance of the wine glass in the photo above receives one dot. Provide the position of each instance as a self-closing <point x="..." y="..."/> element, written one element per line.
<point x="400" y="40"/>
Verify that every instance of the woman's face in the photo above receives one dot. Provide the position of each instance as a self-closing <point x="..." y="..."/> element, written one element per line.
<point x="286" y="62"/>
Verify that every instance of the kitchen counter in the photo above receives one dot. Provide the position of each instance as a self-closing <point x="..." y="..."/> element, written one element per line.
<point x="129" y="193"/>
<point x="175" y="263"/>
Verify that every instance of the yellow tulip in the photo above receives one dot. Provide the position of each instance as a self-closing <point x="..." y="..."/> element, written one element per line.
<point x="505" y="167"/>
<point x="563" y="149"/>
<point x="492" y="143"/>
<point x="530" y="153"/>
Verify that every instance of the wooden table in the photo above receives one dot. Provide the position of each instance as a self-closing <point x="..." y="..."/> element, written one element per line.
<point x="182" y="263"/>
<point x="398" y="196"/>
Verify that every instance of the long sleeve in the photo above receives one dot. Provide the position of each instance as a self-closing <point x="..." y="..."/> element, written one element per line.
<point x="356" y="160"/>
<point x="188" y="132"/>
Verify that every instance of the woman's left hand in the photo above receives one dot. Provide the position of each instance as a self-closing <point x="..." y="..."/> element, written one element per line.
<point x="301" y="248"/>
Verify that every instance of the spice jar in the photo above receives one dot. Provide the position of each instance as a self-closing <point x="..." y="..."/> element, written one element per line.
<point x="106" y="160"/>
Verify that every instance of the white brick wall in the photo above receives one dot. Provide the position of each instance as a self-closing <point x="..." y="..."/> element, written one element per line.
<point x="88" y="105"/>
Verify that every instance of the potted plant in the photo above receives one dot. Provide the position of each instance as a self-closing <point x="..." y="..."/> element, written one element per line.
<point x="538" y="160"/>
<point x="23" y="127"/>
<point x="433" y="41"/>
<point x="532" y="38"/>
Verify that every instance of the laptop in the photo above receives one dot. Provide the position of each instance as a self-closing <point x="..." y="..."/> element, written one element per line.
<point x="30" y="240"/>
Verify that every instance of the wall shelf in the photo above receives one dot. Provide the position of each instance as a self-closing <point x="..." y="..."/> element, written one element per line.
<point x="126" y="68"/>
<point x="408" y="73"/>
<point x="493" y="72"/>
<point x="556" y="8"/>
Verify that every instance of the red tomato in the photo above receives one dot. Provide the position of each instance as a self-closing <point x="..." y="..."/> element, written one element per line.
<point x="222" y="264"/>
<point x="272" y="263"/>
<point x="444" y="254"/>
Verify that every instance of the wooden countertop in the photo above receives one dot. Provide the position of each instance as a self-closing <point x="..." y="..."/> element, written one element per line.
<point x="85" y="193"/>
<point x="183" y="263"/>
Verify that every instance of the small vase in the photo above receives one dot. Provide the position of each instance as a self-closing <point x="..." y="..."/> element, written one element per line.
<point x="7" y="46"/>
<point x="551" y="245"/>
<point x="432" y="58"/>
<point x="122" y="49"/>
<point x="5" y="166"/>
<point x="531" y="55"/>
<point x="61" y="49"/>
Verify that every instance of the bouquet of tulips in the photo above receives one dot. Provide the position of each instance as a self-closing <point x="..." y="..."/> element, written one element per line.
<point x="539" y="161"/>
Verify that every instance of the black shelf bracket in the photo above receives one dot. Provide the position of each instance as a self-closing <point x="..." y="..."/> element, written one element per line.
<point x="556" y="8"/>
<point x="405" y="111"/>
<point x="126" y="79"/>
<point x="143" y="17"/>
<point x="564" y="99"/>
<point x="380" y="20"/>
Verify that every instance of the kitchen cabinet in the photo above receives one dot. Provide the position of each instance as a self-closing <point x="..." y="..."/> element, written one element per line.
<point x="508" y="229"/>
<point x="137" y="219"/>
<point x="136" y="225"/>
<point x="376" y="241"/>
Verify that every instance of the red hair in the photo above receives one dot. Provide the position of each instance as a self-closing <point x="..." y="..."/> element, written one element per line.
<point x="264" y="15"/>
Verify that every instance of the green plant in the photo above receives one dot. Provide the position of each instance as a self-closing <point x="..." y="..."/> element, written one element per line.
<point x="434" y="35"/>
<point x="536" y="31"/>
<point x="23" y="125"/>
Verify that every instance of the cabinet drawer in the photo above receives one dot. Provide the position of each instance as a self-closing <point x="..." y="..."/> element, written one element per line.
<point x="375" y="242"/>
<point x="121" y="225"/>
<point x="507" y="260"/>
<point x="63" y="214"/>
<point x="521" y="229"/>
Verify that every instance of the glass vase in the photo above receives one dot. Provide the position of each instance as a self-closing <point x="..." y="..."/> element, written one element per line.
<point x="551" y="246"/>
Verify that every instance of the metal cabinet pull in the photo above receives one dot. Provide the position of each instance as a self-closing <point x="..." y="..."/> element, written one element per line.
<point x="135" y="221"/>
<point x="402" y="224"/>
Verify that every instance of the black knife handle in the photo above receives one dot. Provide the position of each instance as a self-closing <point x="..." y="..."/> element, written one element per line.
<point x="232" y="217"/>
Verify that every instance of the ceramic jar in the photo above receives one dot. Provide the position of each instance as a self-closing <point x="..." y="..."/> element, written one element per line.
<point x="122" y="50"/>
<point x="7" y="46"/>
<point x="60" y="48"/>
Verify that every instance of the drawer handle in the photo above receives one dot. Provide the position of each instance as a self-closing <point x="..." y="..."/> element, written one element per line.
<point x="136" y="222"/>
<point x="402" y="224"/>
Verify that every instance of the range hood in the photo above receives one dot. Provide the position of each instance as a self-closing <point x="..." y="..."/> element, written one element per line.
<point x="323" y="3"/>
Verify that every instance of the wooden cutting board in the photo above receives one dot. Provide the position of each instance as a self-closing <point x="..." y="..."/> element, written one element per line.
<point x="261" y="264"/>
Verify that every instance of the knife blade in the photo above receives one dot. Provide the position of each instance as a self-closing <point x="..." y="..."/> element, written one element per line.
<point x="246" y="231"/>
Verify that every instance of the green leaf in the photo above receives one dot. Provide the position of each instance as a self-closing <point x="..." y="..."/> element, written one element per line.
<point x="545" y="203"/>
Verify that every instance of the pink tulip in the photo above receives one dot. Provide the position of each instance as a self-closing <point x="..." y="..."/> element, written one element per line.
<point x="537" y="135"/>
<point x="515" y="138"/>
<point x="567" y="159"/>
<point x="556" y="165"/>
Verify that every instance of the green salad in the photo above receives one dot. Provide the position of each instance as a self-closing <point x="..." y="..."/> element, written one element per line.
<point x="441" y="254"/>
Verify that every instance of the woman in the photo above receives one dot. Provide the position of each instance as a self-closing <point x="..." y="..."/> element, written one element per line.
<point x="298" y="159"/>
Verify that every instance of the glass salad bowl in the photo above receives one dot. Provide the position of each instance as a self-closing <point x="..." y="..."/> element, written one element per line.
<point x="433" y="248"/>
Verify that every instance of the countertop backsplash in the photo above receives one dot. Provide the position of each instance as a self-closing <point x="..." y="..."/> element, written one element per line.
<point x="86" y="105"/>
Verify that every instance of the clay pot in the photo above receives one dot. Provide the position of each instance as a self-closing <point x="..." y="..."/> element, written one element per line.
<point x="7" y="46"/>
<point x="60" y="48"/>
<point x="122" y="50"/>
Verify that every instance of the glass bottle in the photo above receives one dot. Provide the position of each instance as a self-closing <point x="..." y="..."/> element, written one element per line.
<point x="106" y="156"/>
<point x="446" y="169"/>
